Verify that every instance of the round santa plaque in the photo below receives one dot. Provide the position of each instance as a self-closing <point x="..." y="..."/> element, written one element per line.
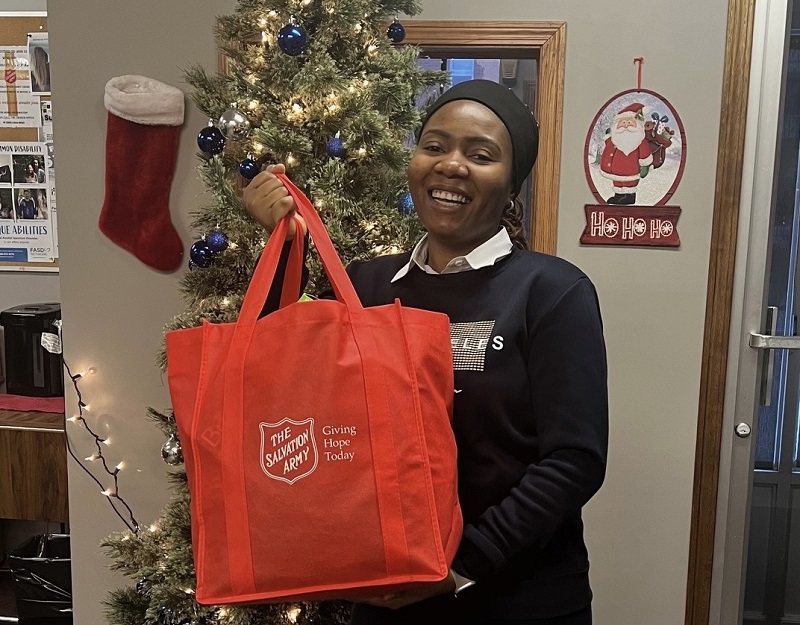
<point x="635" y="150"/>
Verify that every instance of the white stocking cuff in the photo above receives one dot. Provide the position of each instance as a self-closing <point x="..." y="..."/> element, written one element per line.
<point x="144" y="100"/>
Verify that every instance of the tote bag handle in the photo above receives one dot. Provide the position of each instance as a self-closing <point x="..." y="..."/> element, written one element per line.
<point x="264" y="274"/>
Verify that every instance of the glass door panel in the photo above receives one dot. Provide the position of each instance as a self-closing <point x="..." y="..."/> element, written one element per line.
<point x="772" y="575"/>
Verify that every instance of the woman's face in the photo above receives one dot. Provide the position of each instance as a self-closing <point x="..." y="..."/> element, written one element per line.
<point x="460" y="175"/>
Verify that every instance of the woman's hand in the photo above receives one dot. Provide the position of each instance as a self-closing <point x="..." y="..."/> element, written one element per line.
<point x="268" y="201"/>
<point x="407" y="597"/>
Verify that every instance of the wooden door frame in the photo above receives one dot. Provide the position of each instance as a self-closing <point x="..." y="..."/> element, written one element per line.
<point x="548" y="42"/>
<point x="719" y="296"/>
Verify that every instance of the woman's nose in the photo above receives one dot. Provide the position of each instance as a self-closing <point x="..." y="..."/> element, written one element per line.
<point x="452" y="165"/>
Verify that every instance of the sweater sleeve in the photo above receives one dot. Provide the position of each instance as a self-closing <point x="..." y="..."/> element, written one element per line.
<point x="568" y="381"/>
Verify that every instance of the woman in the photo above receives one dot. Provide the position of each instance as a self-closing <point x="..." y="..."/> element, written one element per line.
<point x="38" y="171"/>
<point x="530" y="411"/>
<point x="40" y="197"/>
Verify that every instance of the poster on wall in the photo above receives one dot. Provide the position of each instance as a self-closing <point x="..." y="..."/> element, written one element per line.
<point x="26" y="215"/>
<point x="50" y="164"/>
<point x="46" y="129"/>
<point x="46" y="137"/>
<point x="19" y="107"/>
<point x="16" y="64"/>
<point x="39" y="59"/>
<point x="635" y="155"/>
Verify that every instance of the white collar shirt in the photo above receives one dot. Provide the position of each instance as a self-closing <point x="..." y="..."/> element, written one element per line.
<point x="485" y="255"/>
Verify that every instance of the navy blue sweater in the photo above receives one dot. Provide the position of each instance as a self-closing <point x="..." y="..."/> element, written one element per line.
<point x="530" y="420"/>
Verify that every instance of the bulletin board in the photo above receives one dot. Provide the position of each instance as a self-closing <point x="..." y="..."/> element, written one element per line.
<point x="28" y="216"/>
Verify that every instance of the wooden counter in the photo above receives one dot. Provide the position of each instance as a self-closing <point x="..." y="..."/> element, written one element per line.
<point x="33" y="466"/>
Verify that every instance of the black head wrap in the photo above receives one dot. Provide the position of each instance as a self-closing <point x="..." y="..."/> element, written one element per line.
<point x="516" y="117"/>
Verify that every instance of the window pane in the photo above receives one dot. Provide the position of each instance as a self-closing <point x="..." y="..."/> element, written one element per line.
<point x="461" y="70"/>
<point x="783" y="261"/>
<point x="792" y="605"/>
<point x="758" y="549"/>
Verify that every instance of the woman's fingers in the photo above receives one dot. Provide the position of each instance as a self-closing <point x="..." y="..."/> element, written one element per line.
<point x="268" y="200"/>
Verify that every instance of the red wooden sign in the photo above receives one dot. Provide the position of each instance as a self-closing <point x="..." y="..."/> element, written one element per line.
<point x="650" y="226"/>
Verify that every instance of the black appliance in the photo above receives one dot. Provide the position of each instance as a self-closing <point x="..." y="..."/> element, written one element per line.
<point x="32" y="369"/>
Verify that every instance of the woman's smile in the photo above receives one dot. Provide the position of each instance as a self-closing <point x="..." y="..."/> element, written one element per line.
<point x="449" y="198"/>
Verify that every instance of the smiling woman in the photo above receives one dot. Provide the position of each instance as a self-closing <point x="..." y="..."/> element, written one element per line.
<point x="460" y="179"/>
<point x="530" y="407"/>
<point x="467" y="157"/>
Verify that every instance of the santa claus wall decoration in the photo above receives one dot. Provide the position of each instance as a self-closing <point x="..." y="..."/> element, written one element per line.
<point x="635" y="157"/>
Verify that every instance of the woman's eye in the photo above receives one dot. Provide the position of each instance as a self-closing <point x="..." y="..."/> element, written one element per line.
<point x="432" y="148"/>
<point x="481" y="157"/>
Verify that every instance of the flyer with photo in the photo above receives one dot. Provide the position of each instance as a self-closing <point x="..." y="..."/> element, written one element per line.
<point x="26" y="211"/>
<point x="39" y="58"/>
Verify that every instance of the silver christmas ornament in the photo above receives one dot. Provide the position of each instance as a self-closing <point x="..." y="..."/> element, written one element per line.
<point x="234" y="125"/>
<point x="171" y="451"/>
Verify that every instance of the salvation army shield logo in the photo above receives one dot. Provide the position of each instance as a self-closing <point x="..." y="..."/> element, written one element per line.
<point x="288" y="449"/>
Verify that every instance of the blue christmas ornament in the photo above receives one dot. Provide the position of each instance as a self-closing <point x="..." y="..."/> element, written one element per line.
<point x="405" y="204"/>
<point x="335" y="147"/>
<point x="396" y="31"/>
<point x="210" y="140"/>
<point x="248" y="168"/>
<point x="217" y="241"/>
<point x="292" y="39"/>
<point x="143" y="586"/>
<point x="165" y="616"/>
<point x="200" y="254"/>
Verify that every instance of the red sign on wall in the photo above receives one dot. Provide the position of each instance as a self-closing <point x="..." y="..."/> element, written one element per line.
<point x="631" y="225"/>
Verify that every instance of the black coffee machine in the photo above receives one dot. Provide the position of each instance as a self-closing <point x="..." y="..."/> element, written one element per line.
<point x="33" y="350"/>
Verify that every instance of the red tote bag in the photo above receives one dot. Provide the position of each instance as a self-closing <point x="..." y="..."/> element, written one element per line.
<point x="317" y="440"/>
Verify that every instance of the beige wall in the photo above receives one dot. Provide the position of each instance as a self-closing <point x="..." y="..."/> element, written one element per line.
<point x="114" y="307"/>
<point x="23" y="5"/>
<point x="653" y="300"/>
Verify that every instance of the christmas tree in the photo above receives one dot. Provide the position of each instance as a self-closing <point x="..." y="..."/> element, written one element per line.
<point x="322" y="86"/>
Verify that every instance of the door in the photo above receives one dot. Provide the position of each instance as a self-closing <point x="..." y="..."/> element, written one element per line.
<point x="761" y="575"/>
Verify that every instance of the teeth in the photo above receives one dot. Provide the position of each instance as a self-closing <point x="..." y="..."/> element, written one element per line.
<point x="450" y="197"/>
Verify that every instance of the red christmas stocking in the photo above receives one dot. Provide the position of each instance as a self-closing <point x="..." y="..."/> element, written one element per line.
<point x="144" y="118"/>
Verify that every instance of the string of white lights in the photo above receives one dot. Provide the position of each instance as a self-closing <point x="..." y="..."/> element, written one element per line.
<point x="112" y="493"/>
